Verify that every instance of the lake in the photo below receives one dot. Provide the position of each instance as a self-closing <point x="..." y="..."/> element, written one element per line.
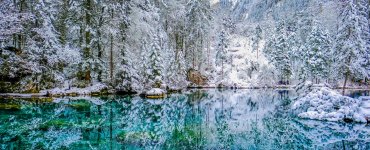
<point x="196" y="119"/>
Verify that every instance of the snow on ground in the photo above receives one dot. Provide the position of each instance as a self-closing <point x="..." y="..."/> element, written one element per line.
<point x="244" y="68"/>
<point x="96" y="88"/>
<point x="155" y="91"/>
<point x="323" y="103"/>
<point x="79" y="91"/>
<point x="365" y="106"/>
<point x="22" y="95"/>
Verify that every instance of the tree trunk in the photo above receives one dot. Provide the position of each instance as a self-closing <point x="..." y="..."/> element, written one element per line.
<point x="208" y="53"/>
<point x="100" y="47"/>
<point x="111" y="52"/>
<point x="193" y="59"/>
<point x="345" y="82"/>
<point x="222" y="70"/>
<point x="63" y="23"/>
<point x="178" y="46"/>
<point x="87" y="38"/>
<point x="22" y="7"/>
<point x="111" y="58"/>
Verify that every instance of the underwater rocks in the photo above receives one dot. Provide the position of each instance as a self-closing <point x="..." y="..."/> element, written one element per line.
<point x="137" y="137"/>
<point x="6" y="106"/>
<point x="57" y="123"/>
<point x="81" y="106"/>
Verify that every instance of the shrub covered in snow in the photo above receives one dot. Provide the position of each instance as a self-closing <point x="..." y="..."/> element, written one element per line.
<point x="155" y="91"/>
<point x="322" y="103"/>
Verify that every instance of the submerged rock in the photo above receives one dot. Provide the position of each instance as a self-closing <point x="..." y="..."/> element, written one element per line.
<point x="81" y="106"/>
<point x="136" y="137"/>
<point x="10" y="106"/>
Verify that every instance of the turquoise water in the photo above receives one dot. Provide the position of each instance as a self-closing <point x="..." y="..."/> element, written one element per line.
<point x="201" y="119"/>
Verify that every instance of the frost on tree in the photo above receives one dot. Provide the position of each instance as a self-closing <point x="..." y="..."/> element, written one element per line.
<point x="222" y="47"/>
<point x="256" y="40"/>
<point x="277" y="51"/>
<point x="317" y="54"/>
<point x="197" y="28"/>
<point x="349" y="47"/>
<point x="156" y="68"/>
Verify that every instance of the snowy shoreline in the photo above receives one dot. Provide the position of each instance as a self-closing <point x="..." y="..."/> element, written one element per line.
<point x="317" y="102"/>
<point x="275" y="87"/>
<point x="74" y="92"/>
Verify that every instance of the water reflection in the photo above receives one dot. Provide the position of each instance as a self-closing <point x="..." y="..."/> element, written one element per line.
<point x="201" y="119"/>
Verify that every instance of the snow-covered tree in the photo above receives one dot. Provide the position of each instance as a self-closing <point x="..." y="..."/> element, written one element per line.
<point x="349" y="47"/>
<point x="317" y="54"/>
<point x="364" y="23"/>
<point x="134" y="45"/>
<point x="198" y="19"/>
<point x="222" y="47"/>
<point x="155" y="63"/>
<point x="176" y="74"/>
<point x="13" y="21"/>
<point x="256" y="39"/>
<point x="277" y="50"/>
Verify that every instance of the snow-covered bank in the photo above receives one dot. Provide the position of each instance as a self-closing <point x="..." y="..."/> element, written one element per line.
<point x="323" y="103"/>
<point x="155" y="93"/>
<point x="91" y="90"/>
<point x="96" y="89"/>
<point x="22" y="95"/>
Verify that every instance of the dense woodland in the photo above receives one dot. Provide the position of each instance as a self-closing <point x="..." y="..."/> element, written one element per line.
<point x="135" y="45"/>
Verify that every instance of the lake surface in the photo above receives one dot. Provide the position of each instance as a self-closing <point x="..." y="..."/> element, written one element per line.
<point x="199" y="119"/>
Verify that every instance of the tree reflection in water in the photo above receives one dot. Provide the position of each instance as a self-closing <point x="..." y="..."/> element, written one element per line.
<point x="202" y="119"/>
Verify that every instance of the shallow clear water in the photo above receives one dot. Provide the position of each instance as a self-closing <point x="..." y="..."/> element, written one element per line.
<point x="204" y="119"/>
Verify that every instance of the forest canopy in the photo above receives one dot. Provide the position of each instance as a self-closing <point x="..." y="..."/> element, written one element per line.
<point x="136" y="45"/>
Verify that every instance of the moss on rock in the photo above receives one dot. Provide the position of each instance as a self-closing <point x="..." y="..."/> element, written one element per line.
<point x="9" y="106"/>
<point x="136" y="137"/>
<point x="81" y="105"/>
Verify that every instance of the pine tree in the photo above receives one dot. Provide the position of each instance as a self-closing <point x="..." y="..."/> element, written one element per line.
<point x="144" y="66"/>
<point x="156" y="63"/>
<point x="349" y="46"/>
<point x="62" y="19"/>
<point x="277" y="51"/>
<point x="176" y="77"/>
<point x="363" y="12"/>
<point x="317" y="48"/>
<point x="86" y="34"/>
<point x="257" y="39"/>
<point x="222" y="49"/>
<point x="13" y="22"/>
<point x="198" y="17"/>
<point x="127" y="76"/>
